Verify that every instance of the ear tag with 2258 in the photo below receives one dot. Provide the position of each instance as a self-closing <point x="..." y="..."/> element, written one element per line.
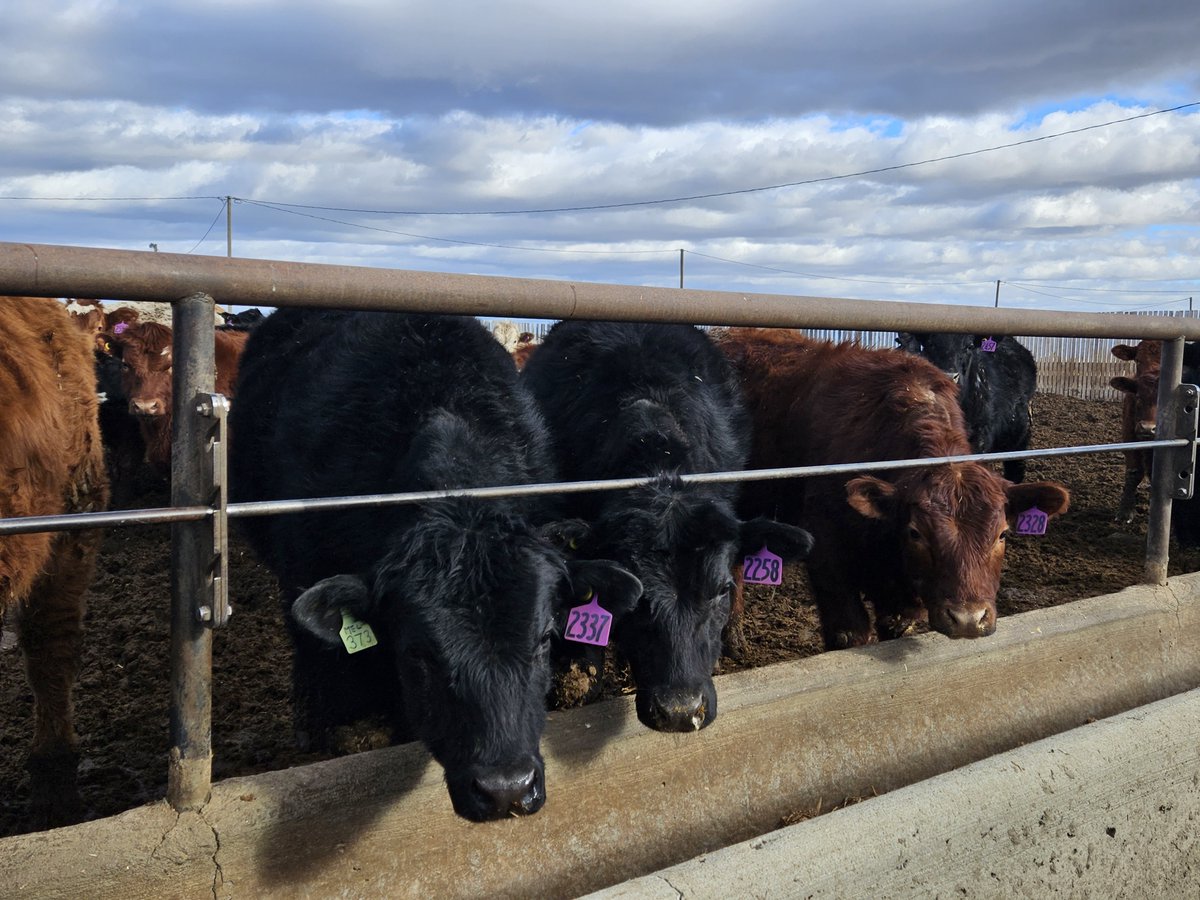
<point x="763" y="567"/>
<point x="589" y="623"/>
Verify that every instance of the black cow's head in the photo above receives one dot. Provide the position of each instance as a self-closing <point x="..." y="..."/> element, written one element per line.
<point x="466" y="610"/>
<point x="954" y="354"/>
<point x="682" y="542"/>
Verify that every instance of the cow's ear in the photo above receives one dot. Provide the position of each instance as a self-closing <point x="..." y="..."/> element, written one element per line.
<point x="319" y="609"/>
<point x="1049" y="496"/>
<point x="1123" y="351"/>
<point x="618" y="589"/>
<point x="870" y="497"/>
<point x="567" y="535"/>
<point x="785" y="541"/>
<point x="1124" y="385"/>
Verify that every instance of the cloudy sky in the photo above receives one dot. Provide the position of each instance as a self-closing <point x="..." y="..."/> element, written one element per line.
<point x="786" y="147"/>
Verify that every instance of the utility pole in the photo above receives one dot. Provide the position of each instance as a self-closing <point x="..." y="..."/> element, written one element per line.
<point x="681" y="267"/>
<point x="997" y="293"/>
<point x="229" y="226"/>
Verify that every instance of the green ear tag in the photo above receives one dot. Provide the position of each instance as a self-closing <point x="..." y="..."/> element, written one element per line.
<point x="356" y="634"/>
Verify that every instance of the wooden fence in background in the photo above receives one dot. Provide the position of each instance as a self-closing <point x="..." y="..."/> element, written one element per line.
<point x="1072" y="367"/>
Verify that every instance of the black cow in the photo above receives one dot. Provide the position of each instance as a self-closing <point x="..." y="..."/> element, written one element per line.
<point x="124" y="448"/>
<point x="461" y="595"/>
<point x="246" y="320"/>
<point x="995" y="388"/>
<point x="625" y="400"/>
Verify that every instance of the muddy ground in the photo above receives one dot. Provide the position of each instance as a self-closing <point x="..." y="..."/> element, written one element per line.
<point x="122" y="695"/>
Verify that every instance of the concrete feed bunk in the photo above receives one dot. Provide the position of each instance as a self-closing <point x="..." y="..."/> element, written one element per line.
<point x="627" y="801"/>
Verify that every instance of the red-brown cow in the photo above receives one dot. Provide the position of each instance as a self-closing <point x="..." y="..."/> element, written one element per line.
<point x="917" y="544"/>
<point x="1139" y="410"/>
<point x="146" y="356"/>
<point x="51" y="462"/>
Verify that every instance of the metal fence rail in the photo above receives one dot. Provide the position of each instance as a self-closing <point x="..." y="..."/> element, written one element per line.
<point x="199" y="511"/>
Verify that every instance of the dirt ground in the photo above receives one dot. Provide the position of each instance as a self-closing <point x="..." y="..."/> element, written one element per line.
<point x="122" y="695"/>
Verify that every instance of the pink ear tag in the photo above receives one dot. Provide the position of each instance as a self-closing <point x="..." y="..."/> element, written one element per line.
<point x="589" y="624"/>
<point x="1032" y="521"/>
<point x="988" y="345"/>
<point x="763" y="567"/>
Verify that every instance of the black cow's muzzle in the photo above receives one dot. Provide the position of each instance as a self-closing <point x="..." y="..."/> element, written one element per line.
<point x="496" y="792"/>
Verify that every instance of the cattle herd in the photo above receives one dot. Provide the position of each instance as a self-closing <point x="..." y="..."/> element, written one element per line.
<point x="454" y="621"/>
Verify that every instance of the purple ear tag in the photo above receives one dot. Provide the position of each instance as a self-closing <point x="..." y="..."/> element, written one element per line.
<point x="120" y="327"/>
<point x="1032" y="521"/>
<point x="988" y="345"/>
<point x="763" y="567"/>
<point x="589" y="624"/>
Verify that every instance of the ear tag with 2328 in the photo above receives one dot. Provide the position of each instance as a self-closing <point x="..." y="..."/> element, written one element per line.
<point x="589" y="623"/>
<point x="763" y="567"/>
<point x="1032" y="521"/>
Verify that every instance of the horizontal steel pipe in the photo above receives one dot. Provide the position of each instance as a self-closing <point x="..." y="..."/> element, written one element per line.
<point x="281" y="507"/>
<point x="53" y="271"/>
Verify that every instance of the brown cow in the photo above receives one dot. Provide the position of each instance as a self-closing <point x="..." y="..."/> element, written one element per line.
<point x="1139" y="410"/>
<point x="146" y="355"/>
<point x="51" y="462"/>
<point x="917" y="544"/>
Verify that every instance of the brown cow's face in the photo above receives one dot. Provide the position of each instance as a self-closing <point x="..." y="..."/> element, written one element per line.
<point x="146" y="373"/>
<point x="952" y="523"/>
<point x="1141" y="391"/>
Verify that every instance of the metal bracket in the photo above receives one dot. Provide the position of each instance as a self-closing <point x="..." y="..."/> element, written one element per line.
<point x="216" y="611"/>
<point x="1183" y="459"/>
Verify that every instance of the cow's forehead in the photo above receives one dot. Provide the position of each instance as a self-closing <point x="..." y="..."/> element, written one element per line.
<point x="968" y="493"/>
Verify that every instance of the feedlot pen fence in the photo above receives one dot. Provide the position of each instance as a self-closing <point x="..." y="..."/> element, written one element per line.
<point x="199" y="512"/>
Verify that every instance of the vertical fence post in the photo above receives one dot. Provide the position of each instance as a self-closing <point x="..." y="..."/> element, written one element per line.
<point x="1163" y="476"/>
<point x="190" y="768"/>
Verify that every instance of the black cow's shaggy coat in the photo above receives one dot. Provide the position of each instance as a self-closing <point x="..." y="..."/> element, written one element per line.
<point x="461" y="594"/>
<point x="995" y="388"/>
<point x="626" y="399"/>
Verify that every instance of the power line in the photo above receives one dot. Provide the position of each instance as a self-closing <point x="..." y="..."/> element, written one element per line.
<point x="211" y="226"/>
<point x="294" y="211"/>
<point x="771" y="187"/>
<point x="639" y="203"/>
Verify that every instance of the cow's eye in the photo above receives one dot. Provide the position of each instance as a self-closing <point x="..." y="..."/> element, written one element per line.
<point x="1003" y="535"/>
<point x="913" y="534"/>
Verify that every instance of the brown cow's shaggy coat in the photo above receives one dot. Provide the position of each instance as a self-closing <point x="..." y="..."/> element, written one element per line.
<point x="915" y="543"/>
<point x="51" y="462"/>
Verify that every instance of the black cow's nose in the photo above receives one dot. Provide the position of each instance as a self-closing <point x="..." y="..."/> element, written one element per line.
<point x="507" y="790"/>
<point x="677" y="712"/>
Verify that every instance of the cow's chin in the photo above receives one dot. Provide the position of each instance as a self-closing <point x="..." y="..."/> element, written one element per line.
<point x="482" y="794"/>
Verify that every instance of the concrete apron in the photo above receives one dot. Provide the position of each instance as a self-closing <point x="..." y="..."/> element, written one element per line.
<point x="1111" y="809"/>
<point x="625" y="801"/>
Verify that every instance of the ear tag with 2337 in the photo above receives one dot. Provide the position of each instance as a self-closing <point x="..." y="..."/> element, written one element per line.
<point x="763" y="567"/>
<point x="589" y="623"/>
